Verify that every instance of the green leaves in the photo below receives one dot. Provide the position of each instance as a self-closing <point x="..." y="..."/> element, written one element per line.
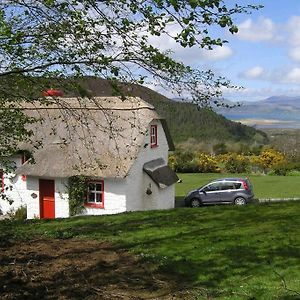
<point x="52" y="39"/>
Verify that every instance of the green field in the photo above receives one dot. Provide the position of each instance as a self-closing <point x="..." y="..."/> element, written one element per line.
<point x="221" y="252"/>
<point x="265" y="187"/>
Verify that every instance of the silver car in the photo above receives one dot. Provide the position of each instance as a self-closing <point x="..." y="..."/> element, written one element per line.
<point x="237" y="191"/>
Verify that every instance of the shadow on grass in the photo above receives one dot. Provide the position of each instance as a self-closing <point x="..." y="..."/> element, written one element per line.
<point x="76" y="269"/>
<point x="217" y="248"/>
<point x="179" y="202"/>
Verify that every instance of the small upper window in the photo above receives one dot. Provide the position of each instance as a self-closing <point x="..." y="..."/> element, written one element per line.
<point x="153" y="136"/>
<point x="2" y="180"/>
<point x="95" y="194"/>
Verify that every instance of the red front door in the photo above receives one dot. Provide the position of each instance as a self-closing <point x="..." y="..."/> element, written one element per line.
<point x="47" y="201"/>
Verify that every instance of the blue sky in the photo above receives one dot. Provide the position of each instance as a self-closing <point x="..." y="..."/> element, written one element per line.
<point x="264" y="57"/>
<point x="265" y="54"/>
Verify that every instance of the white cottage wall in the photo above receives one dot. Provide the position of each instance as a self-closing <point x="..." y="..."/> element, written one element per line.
<point x="114" y="198"/>
<point x="60" y="195"/>
<point x="14" y="189"/>
<point x="138" y="181"/>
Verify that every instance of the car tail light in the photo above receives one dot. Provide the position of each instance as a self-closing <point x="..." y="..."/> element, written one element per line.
<point x="246" y="187"/>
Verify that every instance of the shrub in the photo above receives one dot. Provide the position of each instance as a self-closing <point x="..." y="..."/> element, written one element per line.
<point x="286" y="168"/>
<point x="182" y="161"/>
<point x="220" y="148"/>
<point x="236" y="163"/>
<point x="270" y="158"/>
<point x="206" y="163"/>
<point x="193" y="162"/>
<point x="77" y="193"/>
<point x="18" y="214"/>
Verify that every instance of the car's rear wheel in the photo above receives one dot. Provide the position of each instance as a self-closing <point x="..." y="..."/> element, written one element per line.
<point x="239" y="201"/>
<point x="195" y="202"/>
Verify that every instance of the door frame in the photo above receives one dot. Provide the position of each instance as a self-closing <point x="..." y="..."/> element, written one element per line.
<point x="41" y="198"/>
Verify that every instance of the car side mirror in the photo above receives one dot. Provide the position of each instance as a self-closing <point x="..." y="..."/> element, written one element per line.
<point x="203" y="192"/>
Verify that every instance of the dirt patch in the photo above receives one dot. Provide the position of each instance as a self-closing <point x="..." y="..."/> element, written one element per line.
<point x="79" y="269"/>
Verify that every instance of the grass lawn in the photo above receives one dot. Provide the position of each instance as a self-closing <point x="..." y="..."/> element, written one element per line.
<point x="220" y="252"/>
<point x="264" y="186"/>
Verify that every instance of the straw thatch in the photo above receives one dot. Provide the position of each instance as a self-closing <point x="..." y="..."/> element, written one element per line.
<point x="97" y="137"/>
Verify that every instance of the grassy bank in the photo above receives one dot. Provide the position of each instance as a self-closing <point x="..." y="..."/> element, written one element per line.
<point x="222" y="252"/>
<point x="264" y="186"/>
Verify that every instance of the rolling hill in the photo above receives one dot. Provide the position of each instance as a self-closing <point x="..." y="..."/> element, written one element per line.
<point x="184" y="119"/>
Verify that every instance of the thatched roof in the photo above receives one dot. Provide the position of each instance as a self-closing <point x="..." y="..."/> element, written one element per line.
<point x="97" y="137"/>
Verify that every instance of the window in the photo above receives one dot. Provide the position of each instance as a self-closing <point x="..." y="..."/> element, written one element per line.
<point x="227" y="186"/>
<point x="212" y="187"/>
<point x="24" y="158"/>
<point x="95" y="194"/>
<point x="153" y="136"/>
<point x="2" y="180"/>
<point x="237" y="185"/>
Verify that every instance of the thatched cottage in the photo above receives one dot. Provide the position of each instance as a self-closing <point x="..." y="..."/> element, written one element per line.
<point x="120" y="146"/>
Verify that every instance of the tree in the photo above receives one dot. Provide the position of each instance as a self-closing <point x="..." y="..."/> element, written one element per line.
<point x="45" y="41"/>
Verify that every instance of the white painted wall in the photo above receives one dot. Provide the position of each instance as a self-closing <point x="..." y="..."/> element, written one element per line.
<point x="138" y="181"/>
<point x="16" y="191"/>
<point x="60" y="195"/>
<point x="114" y="198"/>
<point x="120" y="195"/>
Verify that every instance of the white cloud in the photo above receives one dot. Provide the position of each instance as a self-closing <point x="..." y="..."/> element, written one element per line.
<point x="253" y="73"/>
<point x="218" y="53"/>
<point x="293" y="28"/>
<point x="194" y="55"/>
<point x="294" y="54"/>
<point x="293" y="76"/>
<point x="255" y="31"/>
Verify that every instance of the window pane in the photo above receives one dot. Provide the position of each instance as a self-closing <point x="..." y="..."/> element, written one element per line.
<point x="237" y="185"/>
<point x="213" y="187"/>
<point x="98" y="187"/>
<point x="91" y="186"/>
<point x="98" y="198"/>
<point x="227" y="186"/>
<point x="91" y="197"/>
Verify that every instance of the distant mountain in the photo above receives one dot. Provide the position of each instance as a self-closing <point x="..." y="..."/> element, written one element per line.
<point x="273" y="112"/>
<point x="184" y="119"/>
<point x="282" y="101"/>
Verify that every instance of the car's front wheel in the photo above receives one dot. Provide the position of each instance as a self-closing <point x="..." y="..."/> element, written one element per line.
<point x="239" y="201"/>
<point x="195" y="202"/>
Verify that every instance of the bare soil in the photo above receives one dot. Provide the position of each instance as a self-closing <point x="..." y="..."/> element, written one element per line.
<point x="79" y="269"/>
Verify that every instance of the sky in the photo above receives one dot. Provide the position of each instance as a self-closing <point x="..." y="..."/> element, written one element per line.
<point x="263" y="58"/>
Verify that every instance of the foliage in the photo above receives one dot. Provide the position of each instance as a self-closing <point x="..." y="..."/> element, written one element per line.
<point x="77" y="193"/>
<point x="187" y="122"/>
<point x="235" y="163"/>
<point x="183" y="162"/>
<point x="186" y="162"/>
<point x="226" y="252"/>
<point x="106" y="38"/>
<point x="220" y="148"/>
<point x="270" y="157"/>
<point x="206" y="163"/>
<point x="43" y="42"/>
<point x="286" y="168"/>
<point x="286" y="140"/>
<point x="18" y="214"/>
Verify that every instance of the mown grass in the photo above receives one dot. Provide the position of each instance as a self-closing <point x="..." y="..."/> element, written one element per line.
<point x="221" y="252"/>
<point x="264" y="186"/>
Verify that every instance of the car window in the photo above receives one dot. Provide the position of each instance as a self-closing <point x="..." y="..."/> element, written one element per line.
<point x="212" y="187"/>
<point x="237" y="185"/>
<point x="227" y="186"/>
